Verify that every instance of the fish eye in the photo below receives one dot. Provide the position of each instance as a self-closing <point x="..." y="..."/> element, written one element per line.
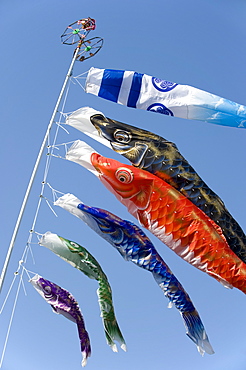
<point x="122" y="136"/>
<point x="47" y="289"/>
<point x="74" y="245"/>
<point x="124" y="175"/>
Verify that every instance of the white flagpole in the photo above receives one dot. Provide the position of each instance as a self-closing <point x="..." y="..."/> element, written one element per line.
<point x="29" y="187"/>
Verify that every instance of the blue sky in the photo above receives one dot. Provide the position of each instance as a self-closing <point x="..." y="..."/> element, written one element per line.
<point x="195" y="42"/>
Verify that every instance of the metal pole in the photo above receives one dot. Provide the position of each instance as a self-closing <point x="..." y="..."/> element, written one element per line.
<point x="23" y="206"/>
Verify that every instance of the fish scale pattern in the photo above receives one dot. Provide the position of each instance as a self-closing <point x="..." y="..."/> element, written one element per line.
<point x="162" y="158"/>
<point x="62" y="302"/>
<point x="184" y="178"/>
<point x="135" y="246"/>
<point x="191" y="234"/>
<point x="174" y="219"/>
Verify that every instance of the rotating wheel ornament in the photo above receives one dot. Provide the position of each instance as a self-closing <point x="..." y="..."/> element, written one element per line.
<point x="78" y="31"/>
<point x="89" y="48"/>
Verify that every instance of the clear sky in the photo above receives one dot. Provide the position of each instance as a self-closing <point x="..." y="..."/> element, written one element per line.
<point x="195" y="42"/>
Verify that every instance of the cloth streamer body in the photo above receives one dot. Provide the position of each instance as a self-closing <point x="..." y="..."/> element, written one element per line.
<point x="62" y="302"/>
<point x="138" y="90"/>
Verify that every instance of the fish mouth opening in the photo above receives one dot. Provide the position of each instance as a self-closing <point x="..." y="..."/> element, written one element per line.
<point x="99" y="162"/>
<point x="84" y="207"/>
<point x="102" y="122"/>
<point x="95" y="160"/>
<point x="97" y="116"/>
<point x="89" y="211"/>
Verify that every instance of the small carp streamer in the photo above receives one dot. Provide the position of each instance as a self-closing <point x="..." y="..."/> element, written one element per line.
<point x="135" y="246"/>
<point x="80" y="258"/>
<point x="138" y="90"/>
<point x="62" y="302"/>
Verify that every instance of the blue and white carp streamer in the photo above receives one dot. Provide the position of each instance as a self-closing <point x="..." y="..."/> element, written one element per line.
<point x="138" y="90"/>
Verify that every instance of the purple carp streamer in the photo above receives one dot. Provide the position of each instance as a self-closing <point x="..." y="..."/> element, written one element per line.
<point x="62" y="302"/>
<point x="80" y="258"/>
<point x="161" y="157"/>
<point x="135" y="246"/>
<point x="138" y="90"/>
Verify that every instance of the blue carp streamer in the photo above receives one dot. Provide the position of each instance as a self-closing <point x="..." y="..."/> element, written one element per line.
<point x="135" y="246"/>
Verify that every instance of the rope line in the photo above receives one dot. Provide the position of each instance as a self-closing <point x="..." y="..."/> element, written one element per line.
<point x="66" y="148"/>
<point x="28" y="249"/>
<point x="47" y="202"/>
<point x="82" y="77"/>
<point x="63" y="128"/>
<point x="55" y="192"/>
<point x="11" y="317"/>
